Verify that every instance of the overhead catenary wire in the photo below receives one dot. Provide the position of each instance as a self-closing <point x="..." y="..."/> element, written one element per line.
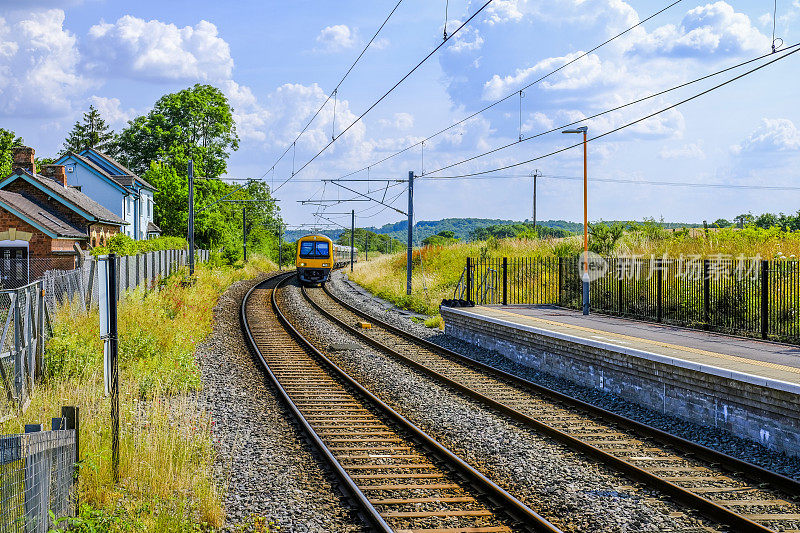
<point x="627" y="181"/>
<point x="627" y="124"/>
<point x="335" y="89"/>
<point x="388" y="92"/>
<point x="511" y="95"/>
<point x="607" y="111"/>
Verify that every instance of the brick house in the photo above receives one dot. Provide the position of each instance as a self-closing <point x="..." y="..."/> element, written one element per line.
<point x="45" y="223"/>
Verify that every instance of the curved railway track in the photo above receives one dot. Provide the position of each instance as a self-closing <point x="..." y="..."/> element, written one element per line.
<point x="729" y="491"/>
<point x="401" y="479"/>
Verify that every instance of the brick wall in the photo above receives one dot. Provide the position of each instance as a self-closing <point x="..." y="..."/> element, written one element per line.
<point x="760" y="413"/>
<point x="41" y="246"/>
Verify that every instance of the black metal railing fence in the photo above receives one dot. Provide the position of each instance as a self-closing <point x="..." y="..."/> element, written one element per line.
<point x="743" y="296"/>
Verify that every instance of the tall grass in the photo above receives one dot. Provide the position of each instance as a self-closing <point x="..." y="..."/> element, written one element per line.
<point x="437" y="269"/>
<point x="166" y="449"/>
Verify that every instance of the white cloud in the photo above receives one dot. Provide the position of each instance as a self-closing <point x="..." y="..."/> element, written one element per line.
<point x="39" y="66"/>
<point x="687" y="151"/>
<point x="380" y="43"/>
<point x="538" y="122"/>
<point x="501" y="11"/>
<point x="400" y="121"/>
<point x="111" y="110"/>
<point x="705" y="32"/>
<point x="579" y="75"/>
<point x="155" y="50"/>
<point x="336" y="38"/>
<point x="765" y="19"/>
<point x="772" y="135"/>
<point x="467" y="39"/>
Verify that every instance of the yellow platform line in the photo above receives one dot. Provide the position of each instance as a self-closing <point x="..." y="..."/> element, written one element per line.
<point x="678" y="347"/>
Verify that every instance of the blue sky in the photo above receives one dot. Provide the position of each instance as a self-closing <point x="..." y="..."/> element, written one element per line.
<point x="277" y="62"/>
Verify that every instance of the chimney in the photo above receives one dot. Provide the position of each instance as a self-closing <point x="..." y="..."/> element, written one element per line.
<point x="23" y="158"/>
<point x="55" y="173"/>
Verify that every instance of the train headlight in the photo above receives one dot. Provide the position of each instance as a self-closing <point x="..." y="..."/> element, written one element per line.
<point x="324" y="264"/>
<point x="302" y="264"/>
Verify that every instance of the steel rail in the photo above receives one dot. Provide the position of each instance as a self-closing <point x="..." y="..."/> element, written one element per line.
<point x="507" y="503"/>
<point x="688" y="498"/>
<point x="370" y="513"/>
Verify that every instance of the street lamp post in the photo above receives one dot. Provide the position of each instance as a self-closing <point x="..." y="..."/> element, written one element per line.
<point x="585" y="278"/>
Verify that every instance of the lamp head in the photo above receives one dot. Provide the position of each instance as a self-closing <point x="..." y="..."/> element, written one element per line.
<point x="582" y="129"/>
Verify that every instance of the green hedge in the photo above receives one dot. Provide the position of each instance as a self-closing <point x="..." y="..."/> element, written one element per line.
<point x="121" y="244"/>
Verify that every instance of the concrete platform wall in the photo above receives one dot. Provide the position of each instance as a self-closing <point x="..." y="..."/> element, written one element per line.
<point x="754" y="409"/>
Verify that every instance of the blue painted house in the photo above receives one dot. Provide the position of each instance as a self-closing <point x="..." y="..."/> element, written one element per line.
<point x="110" y="184"/>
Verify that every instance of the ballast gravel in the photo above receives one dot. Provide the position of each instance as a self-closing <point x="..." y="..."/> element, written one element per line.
<point x="576" y="494"/>
<point x="272" y="474"/>
<point x="722" y="441"/>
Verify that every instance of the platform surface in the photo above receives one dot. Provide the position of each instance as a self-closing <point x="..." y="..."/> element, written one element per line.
<point x="753" y="357"/>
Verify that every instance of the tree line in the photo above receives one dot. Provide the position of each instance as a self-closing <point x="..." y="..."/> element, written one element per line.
<point x="194" y="124"/>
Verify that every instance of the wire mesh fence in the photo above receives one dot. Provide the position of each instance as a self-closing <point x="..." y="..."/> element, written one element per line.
<point x="38" y="477"/>
<point x="743" y="296"/>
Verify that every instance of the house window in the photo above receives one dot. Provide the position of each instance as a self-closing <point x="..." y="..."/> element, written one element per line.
<point x="149" y="207"/>
<point x="130" y="203"/>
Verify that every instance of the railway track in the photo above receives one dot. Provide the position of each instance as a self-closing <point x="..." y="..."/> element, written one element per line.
<point x="729" y="491"/>
<point x="401" y="479"/>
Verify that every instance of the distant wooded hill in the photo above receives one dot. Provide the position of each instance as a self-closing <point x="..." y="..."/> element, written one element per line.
<point x="467" y="228"/>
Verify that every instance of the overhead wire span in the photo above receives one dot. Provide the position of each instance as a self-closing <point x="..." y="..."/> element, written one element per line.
<point x="697" y="185"/>
<point x="336" y="89"/>
<point x="511" y="95"/>
<point x="387" y="93"/>
<point x="794" y="48"/>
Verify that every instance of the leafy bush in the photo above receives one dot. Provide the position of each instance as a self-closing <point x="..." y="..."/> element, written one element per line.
<point x="121" y="244"/>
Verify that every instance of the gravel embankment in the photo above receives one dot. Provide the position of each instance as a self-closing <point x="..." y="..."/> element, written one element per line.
<point x="575" y="493"/>
<point x="269" y="469"/>
<point x="719" y="440"/>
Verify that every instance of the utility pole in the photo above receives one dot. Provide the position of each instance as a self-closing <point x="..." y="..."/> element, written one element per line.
<point x="366" y="245"/>
<point x="352" y="236"/>
<point x="244" y="231"/>
<point x="191" y="218"/>
<point x="409" y="248"/>
<point x="535" y="175"/>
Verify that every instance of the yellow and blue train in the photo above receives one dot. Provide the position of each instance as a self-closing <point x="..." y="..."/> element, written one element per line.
<point x="317" y="255"/>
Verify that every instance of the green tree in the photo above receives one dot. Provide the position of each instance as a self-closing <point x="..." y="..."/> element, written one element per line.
<point x="722" y="223"/>
<point x="195" y="123"/>
<point x="8" y="140"/>
<point x="743" y="219"/>
<point x="218" y="220"/>
<point x="91" y="132"/>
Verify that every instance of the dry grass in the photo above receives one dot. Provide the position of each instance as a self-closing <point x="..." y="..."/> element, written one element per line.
<point x="436" y="270"/>
<point x="166" y="448"/>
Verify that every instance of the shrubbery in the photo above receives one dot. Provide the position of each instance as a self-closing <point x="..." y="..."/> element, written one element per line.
<point x="121" y="244"/>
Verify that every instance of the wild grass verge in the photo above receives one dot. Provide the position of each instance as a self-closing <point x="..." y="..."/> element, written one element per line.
<point x="166" y="449"/>
<point x="437" y="269"/>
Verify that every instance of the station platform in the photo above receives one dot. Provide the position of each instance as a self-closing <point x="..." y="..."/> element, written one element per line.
<point x="747" y="386"/>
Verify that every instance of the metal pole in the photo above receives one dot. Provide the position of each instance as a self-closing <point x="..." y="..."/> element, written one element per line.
<point x="409" y="249"/>
<point x="352" y="236"/>
<point x="112" y="354"/>
<point x="585" y="232"/>
<point x="244" y="232"/>
<point x="191" y="217"/>
<point x="366" y="245"/>
<point x="535" y="175"/>
<point x="764" y="299"/>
